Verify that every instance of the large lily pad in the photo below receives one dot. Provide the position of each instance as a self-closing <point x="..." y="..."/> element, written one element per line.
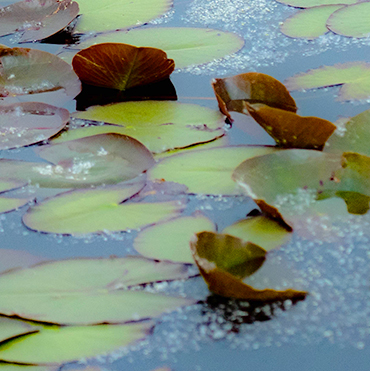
<point x="57" y="345"/>
<point x="354" y="76"/>
<point x="22" y="124"/>
<point x="116" y="14"/>
<point x="352" y="20"/>
<point x="11" y="328"/>
<point x="185" y="45"/>
<point x="121" y="66"/>
<point x="37" y="19"/>
<point x="37" y="76"/>
<point x="160" y="126"/>
<point x="66" y="292"/>
<point x="206" y="171"/>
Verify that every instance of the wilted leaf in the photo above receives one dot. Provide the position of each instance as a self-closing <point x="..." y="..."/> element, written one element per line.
<point x="37" y="19"/>
<point x="117" y="14"/>
<point x="65" y="344"/>
<point x="233" y="93"/>
<point x="121" y="66"/>
<point x="185" y="45"/>
<point x="290" y="130"/>
<point x="309" y="23"/>
<point x="206" y="171"/>
<point x="171" y="240"/>
<point x="88" y="291"/>
<point x="312" y="3"/>
<point x="16" y="258"/>
<point x="37" y="76"/>
<point x="11" y="328"/>
<point x="352" y="20"/>
<point x="354" y="76"/>
<point x="22" y="124"/>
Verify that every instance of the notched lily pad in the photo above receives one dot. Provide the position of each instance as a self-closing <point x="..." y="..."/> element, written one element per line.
<point x="233" y="93"/>
<point x="353" y="76"/>
<point x="121" y="66"/>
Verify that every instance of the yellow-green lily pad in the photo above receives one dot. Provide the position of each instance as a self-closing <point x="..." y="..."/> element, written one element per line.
<point x="11" y="328"/>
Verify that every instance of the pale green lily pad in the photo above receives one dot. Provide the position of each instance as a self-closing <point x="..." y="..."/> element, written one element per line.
<point x="98" y="211"/>
<point x="206" y="171"/>
<point x="9" y="184"/>
<point x="352" y="20"/>
<point x="312" y="3"/>
<point x="9" y="204"/>
<point x="159" y="125"/>
<point x="185" y="45"/>
<point x="89" y="291"/>
<point x="354" y="76"/>
<point x="171" y="240"/>
<point x="66" y="344"/>
<point x="11" y="328"/>
<point x="260" y="230"/>
<point x="116" y="14"/>
<point x="309" y="23"/>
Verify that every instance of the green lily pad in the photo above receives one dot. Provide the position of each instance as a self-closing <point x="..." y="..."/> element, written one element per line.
<point x="309" y="23"/>
<point x="354" y="76"/>
<point x="261" y="231"/>
<point x="22" y="124"/>
<point x="37" y="19"/>
<point x="65" y="344"/>
<point x="121" y="66"/>
<point x="9" y="204"/>
<point x="36" y="76"/>
<point x="98" y="211"/>
<point x="4" y="366"/>
<point x="66" y="292"/>
<point x="171" y="240"/>
<point x="206" y="171"/>
<point x="11" y="328"/>
<point x="115" y="14"/>
<point x="352" y="20"/>
<point x="312" y="3"/>
<point x="185" y="45"/>
<point x="9" y="184"/>
<point x="159" y="125"/>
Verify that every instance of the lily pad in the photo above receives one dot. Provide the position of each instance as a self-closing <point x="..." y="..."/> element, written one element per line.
<point x="16" y="258"/>
<point x="185" y="45"/>
<point x="233" y="93"/>
<point x="309" y="23"/>
<point x="159" y="125"/>
<point x="65" y="292"/>
<point x="37" y="76"/>
<point x="352" y="20"/>
<point x="206" y="171"/>
<point x="37" y="19"/>
<point x="11" y="328"/>
<point x="4" y="366"/>
<point x="290" y="130"/>
<point x="354" y="76"/>
<point x="121" y="66"/>
<point x="116" y="14"/>
<point x="9" y="204"/>
<point x="171" y="240"/>
<point x="22" y="124"/>
<point x="312" y="3"/>
<point x="65" y="344"/>
<point x="9" y="184"/>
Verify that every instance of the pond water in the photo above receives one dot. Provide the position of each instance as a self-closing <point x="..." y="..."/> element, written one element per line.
<point x="330" y="329"/>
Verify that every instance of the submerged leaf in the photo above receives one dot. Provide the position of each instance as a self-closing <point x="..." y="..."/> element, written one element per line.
<point x="121" y="66"/>
<point x="354" y="76"/>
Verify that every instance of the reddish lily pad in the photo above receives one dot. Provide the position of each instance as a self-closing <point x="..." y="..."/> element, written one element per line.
<point x="353" y="76"/>
<point x="37" y="19"/>
<point x="121" y="66"/>
<point x="22" y="124"/>
<point x="36" y="76"/>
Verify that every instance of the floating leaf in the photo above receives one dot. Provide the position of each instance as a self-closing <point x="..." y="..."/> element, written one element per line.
<point x="11" y="328"/>
<point x="352" y="20"/>
<point x="290" y="130"/>
<point x="96" y="211"/>
<point x="16" y="367"/>
<point x="22" y="124"/>
<point x="16" y="258"/>
<point x="121" y="66"/>
<point x="65" y="344"/>
<point x="9" y="204"/>
<point x="354" y="76"/>
<point x="233" y="93"/>
<point x="9" y="184"/>
<point x="312" y="3"/>
<point x="309" y="23"/>
<point x="37" y="76"/>
<point x="185" y="45"/>
<point x="259" y="230"/>
<point x="160" y="126"/>
<point x="37" y="19"/>
<point x="117" y="14"/>
<point x="170" y="240"/>
<point x="206" y="171"/>
<point x="88" y="291"/>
